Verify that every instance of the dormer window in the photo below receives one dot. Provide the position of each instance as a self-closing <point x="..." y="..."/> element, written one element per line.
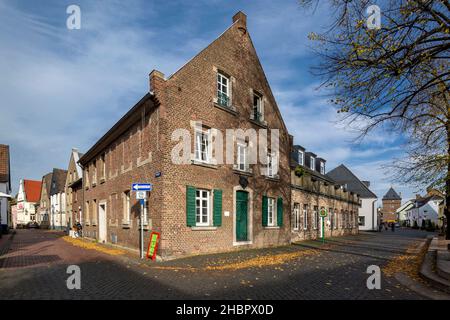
<point x="257" y="107"/>
<point x="322" y="167"/>
<point x="301" y="158"/>
<point x="312" y="164"/>
<point x="223" y="90"/>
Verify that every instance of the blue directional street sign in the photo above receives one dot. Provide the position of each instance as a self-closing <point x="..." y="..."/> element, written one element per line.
<point x="142" y="186"/>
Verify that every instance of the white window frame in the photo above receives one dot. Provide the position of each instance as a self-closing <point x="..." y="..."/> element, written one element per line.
<point x="271" y="159"/>
<point x="305" y="217"/>
<point x="335" y="219"/>
<point x="258" y="106"/>
<point x="271" y="214"/>
<point x="200" y="136"/>
<point x="296" y="216"/>
<point x="322" y="167"/>
<point x="315" y="217"/>
<point x="301" y="157"/>
<point x="242" y="156"/>
<point x="312" y="163"/>
<point x="199" y="196"/>
<point x="221" y="86"/>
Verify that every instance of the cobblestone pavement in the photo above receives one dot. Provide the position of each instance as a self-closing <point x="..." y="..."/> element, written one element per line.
<point x="35" y="268"/>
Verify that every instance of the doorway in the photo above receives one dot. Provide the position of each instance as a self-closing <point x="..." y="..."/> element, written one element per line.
<point x="241" y="216"/>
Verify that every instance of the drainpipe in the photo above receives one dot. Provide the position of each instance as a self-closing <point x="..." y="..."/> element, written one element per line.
<point x="373" y="215"/>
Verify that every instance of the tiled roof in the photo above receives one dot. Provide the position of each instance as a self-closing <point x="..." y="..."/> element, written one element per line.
<point x="391" y="195"/>
<point x="32" y="190"/>
<point x="58" y="181"/>
<point x="344" y="176"/>
<point x="4" y="163"/>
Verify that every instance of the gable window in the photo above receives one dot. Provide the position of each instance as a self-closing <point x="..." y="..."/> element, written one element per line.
<point x="242" y="162"/>
<point x="312" y="164"/>
<point x="305" y="216"/>
<point x="202" y="146"/>
<point x="322" y="167"/>
<point x="296" y="219"/>
<point x="202" y="207"/>
<point x="271" y="165"/>
<point x="257" y="107"/>
<point x="301" y="158"/>
<point x="271" y="222"/>
<point x="223" y="90"/>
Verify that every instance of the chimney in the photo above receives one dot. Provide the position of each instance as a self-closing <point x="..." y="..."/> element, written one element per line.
<point x="157" y="80"/>
<point x="241" y="19"/>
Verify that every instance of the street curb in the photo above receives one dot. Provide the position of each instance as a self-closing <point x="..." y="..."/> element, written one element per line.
<point x="418" y="287"/>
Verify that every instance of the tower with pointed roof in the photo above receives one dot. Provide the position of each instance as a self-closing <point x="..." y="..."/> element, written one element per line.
<point x="391" y="202"/>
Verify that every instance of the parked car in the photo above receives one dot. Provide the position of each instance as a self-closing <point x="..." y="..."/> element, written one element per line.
<point x="32" y="225"/>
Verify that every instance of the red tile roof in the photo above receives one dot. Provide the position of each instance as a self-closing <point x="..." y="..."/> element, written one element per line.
<point x="32" y="190"/>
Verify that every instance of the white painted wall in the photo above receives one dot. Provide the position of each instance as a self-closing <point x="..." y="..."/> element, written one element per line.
<point x="369" y="212"/>
<point x="430" y="211"/>
<point x="57" y="215"/>
<point x="24" y="209"/>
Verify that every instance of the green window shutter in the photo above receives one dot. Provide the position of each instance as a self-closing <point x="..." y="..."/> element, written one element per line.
<point x="190" y="206"/>
<point x="279" y="211"/>
<point x="264" y="211"/>
<point x="217" y="210"/>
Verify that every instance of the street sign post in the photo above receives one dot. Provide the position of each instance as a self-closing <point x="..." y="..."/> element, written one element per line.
<point x="323" y="214"/>
<point x="142" y="187"/>
<point x="141" y="195"/>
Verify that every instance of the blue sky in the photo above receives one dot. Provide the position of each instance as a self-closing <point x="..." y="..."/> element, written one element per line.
<point x="64" y="88"/>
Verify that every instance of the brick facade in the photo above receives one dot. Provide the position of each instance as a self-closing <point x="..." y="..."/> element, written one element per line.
<point x="140" y="145"/>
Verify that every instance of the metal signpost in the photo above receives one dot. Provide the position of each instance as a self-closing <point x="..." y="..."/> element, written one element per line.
<point x="141" y="195"/>
<point x="323" y="213"/>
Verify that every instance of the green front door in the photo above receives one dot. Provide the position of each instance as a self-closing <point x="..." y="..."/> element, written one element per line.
<point x="241" y="215"/>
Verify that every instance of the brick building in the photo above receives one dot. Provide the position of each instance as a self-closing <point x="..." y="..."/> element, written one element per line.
<point x="74" y="189"/>
<point x="390" y="203"/>
<point x="312" y="191"/>
<point x="199" y="204"/>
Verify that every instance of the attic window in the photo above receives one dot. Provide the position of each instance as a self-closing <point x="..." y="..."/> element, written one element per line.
<point x="301" y="157"/>
<point x="322" y="167"/>
<point x="312" y="164"/>
<point x="257" y="107"/>
<point x="223" y="90"/>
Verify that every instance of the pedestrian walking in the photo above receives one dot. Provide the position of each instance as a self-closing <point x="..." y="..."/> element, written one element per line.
<point x="393" y="227"/>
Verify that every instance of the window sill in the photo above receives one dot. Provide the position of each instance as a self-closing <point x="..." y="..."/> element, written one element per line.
<point x="274" y="178"/>
<point x="262" y="124"/>
<point x="230" y="109"/>
<point x="272" y="228"/>
<point x="94" y="184"/>
<point x="204" y="164"/>
<point x="205" y="228"/>
<point x="94" y="223"/>
<point x="102" y="180"/>
<point x="243" y="172"/>
<point x="126" y="224"/>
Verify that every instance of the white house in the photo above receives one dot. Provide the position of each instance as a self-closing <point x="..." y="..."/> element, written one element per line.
<point x="426" y="208"/>
<point x="5" y="188"/>
<point x="27" y="199"/>
<point x="402" y="212"/>
<point x="367" y="213"/>
<point x="58" y="218"/>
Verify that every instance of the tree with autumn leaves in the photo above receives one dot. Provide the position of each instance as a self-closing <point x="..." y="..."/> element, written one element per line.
<point x="395" y="77"/>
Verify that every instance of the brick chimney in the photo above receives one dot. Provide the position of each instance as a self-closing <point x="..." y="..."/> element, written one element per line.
<point x="241" y="19"/>
<point x="156" y="79"/>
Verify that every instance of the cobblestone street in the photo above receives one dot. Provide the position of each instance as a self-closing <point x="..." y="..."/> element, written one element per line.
<point x="35" y="268"/>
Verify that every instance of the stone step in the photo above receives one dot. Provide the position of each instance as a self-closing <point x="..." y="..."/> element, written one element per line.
<point x="443" y="264"/>
<point x="427" y="272"/>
